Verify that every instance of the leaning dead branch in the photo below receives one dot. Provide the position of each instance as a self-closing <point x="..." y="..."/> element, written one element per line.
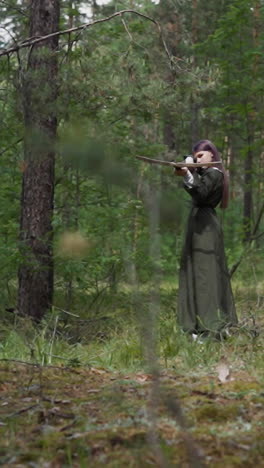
<point x="254" y="236"/>
<point x="32" y="41"/>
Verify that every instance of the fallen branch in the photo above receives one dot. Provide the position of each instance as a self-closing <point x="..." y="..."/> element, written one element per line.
<point x="68" y="426"/>
<point x="65" y="311"/>
<point x="36" y="40"/>
<point x="23" y="410"/>
<point x="39" y="366"/>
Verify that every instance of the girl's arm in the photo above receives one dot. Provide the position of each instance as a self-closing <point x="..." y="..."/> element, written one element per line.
<point x="201" y="187"/>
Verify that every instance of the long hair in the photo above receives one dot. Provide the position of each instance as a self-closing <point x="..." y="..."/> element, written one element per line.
<point x="207" y="145"/>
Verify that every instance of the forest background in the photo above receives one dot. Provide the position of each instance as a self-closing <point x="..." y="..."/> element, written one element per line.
<point x="119" y="89"/>
<point x="91" y="237"/>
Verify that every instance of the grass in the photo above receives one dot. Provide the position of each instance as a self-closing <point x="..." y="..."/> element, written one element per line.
<point x="121" y="345"/>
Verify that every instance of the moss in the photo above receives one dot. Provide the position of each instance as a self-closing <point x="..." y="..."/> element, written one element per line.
<point x="234" y="461"/>
<point x="216" y="412"/>
<point x="100" y="420"/>
<point x="243" y="386"/>
<point x="258" y="445"/>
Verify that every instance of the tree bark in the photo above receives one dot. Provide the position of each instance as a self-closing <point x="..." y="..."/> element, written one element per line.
<point x="172" y="28"/>
<point x="39" y="106"/>
<point x="248" y="183"/>
<point x="247" y="204"/>
<point x="251" y="122"/>
<point x="194" y="107"/>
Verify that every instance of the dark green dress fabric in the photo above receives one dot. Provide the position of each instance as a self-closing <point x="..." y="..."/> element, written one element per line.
<point x="205" y="302"/>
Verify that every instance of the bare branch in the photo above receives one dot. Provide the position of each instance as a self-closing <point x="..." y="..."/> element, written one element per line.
<point x="31" y="42"/>
<point x="10" y="34"/>
<point x="127" y="30"/>
<point x="14" y="8"/>
<point x="257" y="236"/>
<point x="11" y="146"/>
<point x="235" y="266"/>
<point x="247" y="249"/>
<point x="254" y="236"/>
<point x="23" y="410"/>
<point x="65" y="311"/>
<point x="257" y="223"/>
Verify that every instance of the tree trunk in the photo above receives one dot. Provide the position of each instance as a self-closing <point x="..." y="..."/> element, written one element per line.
<point x="39" y="105"/>
<point x="194" y="107"/>
<point x="172" y="27"/>
<point x="251" y="120"/>
<point x="248" y="189"/>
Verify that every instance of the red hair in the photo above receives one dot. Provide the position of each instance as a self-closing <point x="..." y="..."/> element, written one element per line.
<point x="207" y="145"/>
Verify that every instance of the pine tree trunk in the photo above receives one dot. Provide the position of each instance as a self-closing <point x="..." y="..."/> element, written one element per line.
<point x="172" y="28"/>
<point x="39" y="102"/>
<point x="194" y="107"/>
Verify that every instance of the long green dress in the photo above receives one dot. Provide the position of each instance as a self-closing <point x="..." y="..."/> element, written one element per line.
<point x="205" y="302"/>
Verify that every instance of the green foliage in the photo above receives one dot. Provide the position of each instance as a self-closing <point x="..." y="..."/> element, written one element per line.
<point x="117" y="93"/>
<point x="116" y="337"/>
<point x="120" y="96"/>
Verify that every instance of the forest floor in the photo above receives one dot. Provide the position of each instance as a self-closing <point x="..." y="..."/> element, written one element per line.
<point x="57" y="416"/>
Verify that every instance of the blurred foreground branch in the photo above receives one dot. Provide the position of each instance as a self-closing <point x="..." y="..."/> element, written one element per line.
<point x="159" y="396"/>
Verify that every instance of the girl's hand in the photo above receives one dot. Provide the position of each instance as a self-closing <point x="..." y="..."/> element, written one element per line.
<point x="181" y="171"/>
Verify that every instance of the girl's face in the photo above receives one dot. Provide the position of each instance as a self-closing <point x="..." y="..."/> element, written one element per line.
<point x="203" y="157"/>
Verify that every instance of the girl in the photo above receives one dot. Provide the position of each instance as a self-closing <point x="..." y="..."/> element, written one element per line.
<point x="205" y="302"/>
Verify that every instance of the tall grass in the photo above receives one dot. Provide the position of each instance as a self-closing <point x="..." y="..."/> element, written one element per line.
<point x="121" y="348"/>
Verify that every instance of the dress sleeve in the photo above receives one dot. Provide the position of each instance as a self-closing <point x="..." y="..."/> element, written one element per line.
<point x="188" y="179"/>
<point x="204" y="185"/>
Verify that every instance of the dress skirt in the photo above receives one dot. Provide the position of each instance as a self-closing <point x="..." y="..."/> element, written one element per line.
<point x="205" y="301"/>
